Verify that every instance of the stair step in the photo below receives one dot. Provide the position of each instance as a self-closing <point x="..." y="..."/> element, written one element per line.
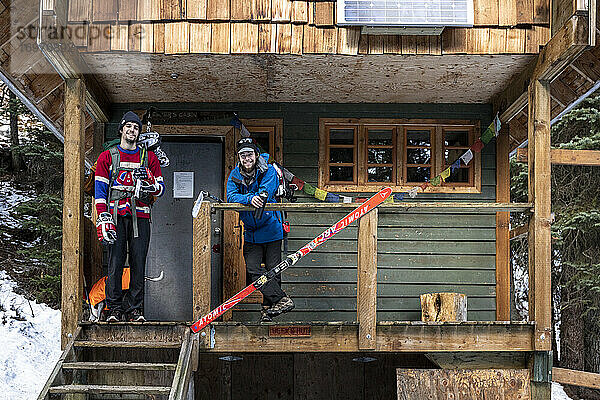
<point x="120" y="365"/>
<point x="104" y="389"/>
<point x="149" y="345"/>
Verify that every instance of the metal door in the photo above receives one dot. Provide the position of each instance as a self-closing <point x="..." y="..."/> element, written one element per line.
<point x="170" y="299"/>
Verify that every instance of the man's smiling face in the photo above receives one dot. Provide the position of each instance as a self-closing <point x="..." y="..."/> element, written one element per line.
<point x="247" y="160"/>
<point x="130" y="132"/>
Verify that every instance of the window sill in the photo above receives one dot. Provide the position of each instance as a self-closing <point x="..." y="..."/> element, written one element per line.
<point x="337" y="188"/>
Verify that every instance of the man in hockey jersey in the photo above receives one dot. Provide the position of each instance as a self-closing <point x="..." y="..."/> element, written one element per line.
<point x="253" y="182"/>
<point x="128" y="178"/>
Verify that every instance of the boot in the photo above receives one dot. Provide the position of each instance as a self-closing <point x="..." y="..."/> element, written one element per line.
<point x="264" y="316"/>
<point x="284" y="305"/>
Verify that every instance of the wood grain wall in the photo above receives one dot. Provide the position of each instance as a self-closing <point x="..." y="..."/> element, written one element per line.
<point x="296" y="27"/>
<point x="417" y="253"/>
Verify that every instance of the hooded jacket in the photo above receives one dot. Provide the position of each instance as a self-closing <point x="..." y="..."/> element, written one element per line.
<point x="268" y="228"/>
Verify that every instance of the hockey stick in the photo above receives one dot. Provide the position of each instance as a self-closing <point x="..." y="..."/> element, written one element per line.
<point x="292" y="259"/>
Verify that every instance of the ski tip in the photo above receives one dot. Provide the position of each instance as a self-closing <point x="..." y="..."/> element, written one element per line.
<point x="385" y="193"/>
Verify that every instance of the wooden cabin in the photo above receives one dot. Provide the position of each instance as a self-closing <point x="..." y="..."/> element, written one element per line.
<point x="348" y="109"/>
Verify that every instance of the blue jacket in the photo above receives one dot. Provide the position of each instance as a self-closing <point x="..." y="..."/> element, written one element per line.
<point x="268" y="228"/>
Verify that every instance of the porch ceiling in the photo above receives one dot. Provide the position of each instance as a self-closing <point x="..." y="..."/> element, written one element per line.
<point x="138" y="77"/>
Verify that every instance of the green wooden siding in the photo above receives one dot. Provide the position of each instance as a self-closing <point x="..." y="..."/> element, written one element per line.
<point x="417" y="252"/>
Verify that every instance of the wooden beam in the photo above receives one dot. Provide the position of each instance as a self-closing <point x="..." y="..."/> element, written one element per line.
<point x="366" y="296"/>
<point x="72" y="236"/>
<point x="577" y="378"/>
<point x="503" y="270"/>
<point x="441" y="206"/>
<point x="201" y="271"/>
<point x="519" y="231"/>
<point x="589" y="158"/>
<point x="540" y="306"/>
<point x="564" y="47"/>
<point x="392" y="337"/>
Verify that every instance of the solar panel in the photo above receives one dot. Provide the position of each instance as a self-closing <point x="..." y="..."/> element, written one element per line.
<point x="406" y="12"/>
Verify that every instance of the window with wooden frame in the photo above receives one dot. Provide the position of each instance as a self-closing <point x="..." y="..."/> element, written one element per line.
<point x="268" y="133"/>
<point x="364" y="155"/>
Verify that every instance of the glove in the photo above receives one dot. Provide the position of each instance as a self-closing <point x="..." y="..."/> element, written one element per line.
<point x="106" y="229"/>
<point x="148" y="182"/>
<point x="144" y="174"/>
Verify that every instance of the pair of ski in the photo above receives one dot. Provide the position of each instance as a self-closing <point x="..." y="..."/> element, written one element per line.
<point x="292" y="259"/>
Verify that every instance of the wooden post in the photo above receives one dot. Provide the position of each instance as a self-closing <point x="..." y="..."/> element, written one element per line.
<point x="503" y="270"/>
<point x="539" y="227"/>
<point x="367" y="281"/>
<point x="540" y="310"/>
<point x="443" y="307"/>
<point x="72" y="237"/>
<point x="201" y="261"/>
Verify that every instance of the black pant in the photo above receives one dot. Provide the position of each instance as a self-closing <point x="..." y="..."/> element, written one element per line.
<point x="270" y="254"/>
<point x="138" y="249"/>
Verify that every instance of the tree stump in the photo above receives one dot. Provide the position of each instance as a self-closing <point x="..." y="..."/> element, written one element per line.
<point x="443" y="307"/>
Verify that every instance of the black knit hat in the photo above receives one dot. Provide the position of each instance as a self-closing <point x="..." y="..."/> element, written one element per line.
<point x="247" y="144"/>
<point x="130" y="116"/>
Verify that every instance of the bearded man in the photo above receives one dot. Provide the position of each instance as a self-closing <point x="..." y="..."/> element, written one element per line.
<point x="128" y="179"/>
<point x="254" y="182"/>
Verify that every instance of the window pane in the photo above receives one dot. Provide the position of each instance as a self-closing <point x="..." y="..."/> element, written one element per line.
<point x="418" y="174"/>
<point x="379" y="174"/>
<point x="262" y="138"/>
<point x="456" y="138"/>
<point x="344" y="174"/>
<point x="380" y="137"/>
<point x="461" y="175"/>
<point x="418" y="138"/>
<point x="337" y="155"/>
<point x="380" y="156"/>
<point x="451" y="155"/>
<point x="341" y="136"/>
<point x="418" y="156"/>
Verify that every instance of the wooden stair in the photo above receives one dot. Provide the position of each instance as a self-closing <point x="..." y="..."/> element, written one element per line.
<point x="132" y="361"/>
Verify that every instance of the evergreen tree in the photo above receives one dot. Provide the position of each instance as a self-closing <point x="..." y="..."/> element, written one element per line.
<point x="575" y="242"/>
<point x="36" y="243"/>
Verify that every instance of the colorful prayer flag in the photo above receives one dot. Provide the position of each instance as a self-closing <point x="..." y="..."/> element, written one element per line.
<point x="298" y="182"/>
<point x="413" y="192"/>
<point x="445" y="174"/>
<point x="346" y="199"/>
<point x="332" y="198"/>
<point x="436" y="181"/>
<point x="497" y="124"/>
<point x="477" y="146"/>
<point x="309" y="189"/>
<point x="320" y="194"/>
<point x="424" y="185"/>
<point x="455" y="166"/>
<point x="488" y="134"/>
<point x="399" y="196"/>
<point x="467" y="157"/>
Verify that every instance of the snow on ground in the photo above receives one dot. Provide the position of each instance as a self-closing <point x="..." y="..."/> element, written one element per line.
<point x="30" y="343"/>
<point x="558" y="392"/>
<point x="10" y="198"/>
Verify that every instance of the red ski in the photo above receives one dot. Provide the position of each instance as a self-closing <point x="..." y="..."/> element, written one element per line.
<point x="292" y="259"/>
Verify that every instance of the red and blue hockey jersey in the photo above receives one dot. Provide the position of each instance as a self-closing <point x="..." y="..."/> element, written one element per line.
<point x="129" y="159"/>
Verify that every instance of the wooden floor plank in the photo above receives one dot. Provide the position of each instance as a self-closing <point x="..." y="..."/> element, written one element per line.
<point x="103" y="389"/>
<point x="150" y="345"/>
<point x="120" y="366"/>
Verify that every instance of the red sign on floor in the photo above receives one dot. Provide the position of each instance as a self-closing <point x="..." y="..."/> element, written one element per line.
<point x="289" y="331"/>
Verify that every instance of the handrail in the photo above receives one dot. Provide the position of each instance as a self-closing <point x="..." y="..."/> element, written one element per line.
<point x="441" y="206"/>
